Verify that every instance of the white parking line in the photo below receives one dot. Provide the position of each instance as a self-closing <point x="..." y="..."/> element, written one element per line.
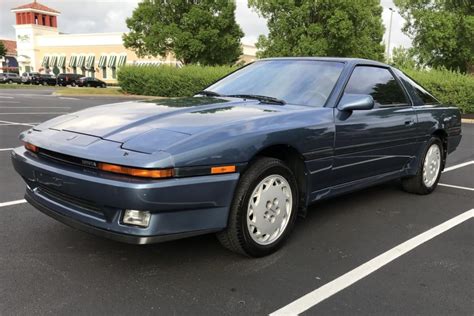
<point x="16" y="123"/>
<point x="6" y="149"/>
<point x="467" y="163"/>
<point x="66" y="98"/>
<point x="4" y="97"/>
<point x="34" y="113"/>
<point x="9" y="102"/>
<point x="455" y="186"/>
<point x="12" y="203"/>
<point x="35" y="107"/>
<point x="311" y="299"/>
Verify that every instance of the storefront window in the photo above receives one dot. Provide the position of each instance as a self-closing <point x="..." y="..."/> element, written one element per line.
<point x="104" y="73"/>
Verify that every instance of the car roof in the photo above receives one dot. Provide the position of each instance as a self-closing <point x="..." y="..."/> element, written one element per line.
<point x="345" y="60"/>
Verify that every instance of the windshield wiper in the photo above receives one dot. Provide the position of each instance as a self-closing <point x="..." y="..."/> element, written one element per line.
<point x="208" y="93"/>
<point x="261" y="98"/>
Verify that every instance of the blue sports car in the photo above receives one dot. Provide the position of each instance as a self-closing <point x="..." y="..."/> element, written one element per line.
<point x="242" y="158"/>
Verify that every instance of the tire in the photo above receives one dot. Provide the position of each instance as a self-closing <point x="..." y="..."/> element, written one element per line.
<point x="73" y="84"/>
<point x="10" y="81"/>
<point x="418" y="183"/>
<point x="239" y="236"/>
<point x="103" y="86"/>
<point x="88" y="85"/>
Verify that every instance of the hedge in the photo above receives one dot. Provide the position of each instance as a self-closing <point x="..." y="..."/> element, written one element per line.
<point x="166" y="81"/>
<point x="448" y="86"/>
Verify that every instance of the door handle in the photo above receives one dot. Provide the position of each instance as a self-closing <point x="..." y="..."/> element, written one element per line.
<point x="409" y="123"/>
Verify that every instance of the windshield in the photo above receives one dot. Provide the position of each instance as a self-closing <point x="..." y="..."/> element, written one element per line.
<point x="301" y="82"/>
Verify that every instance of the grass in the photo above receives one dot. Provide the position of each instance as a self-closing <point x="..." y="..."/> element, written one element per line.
<point x="89" y="91"/>
<point x="23" y="86"/>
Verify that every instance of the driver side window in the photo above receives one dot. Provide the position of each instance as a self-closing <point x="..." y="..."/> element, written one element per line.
<point x="379" y="83"/>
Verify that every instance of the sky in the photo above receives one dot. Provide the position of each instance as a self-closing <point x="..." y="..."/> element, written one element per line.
<point x="96" y="16"/>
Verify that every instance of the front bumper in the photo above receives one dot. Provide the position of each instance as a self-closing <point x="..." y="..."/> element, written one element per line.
<point x="94" y="201"/>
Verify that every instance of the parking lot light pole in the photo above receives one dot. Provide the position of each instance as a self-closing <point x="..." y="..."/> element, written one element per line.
<point x="389" y="33"/>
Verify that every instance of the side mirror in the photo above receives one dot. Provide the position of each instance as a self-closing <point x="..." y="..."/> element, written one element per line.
<point x="354" y="102"/>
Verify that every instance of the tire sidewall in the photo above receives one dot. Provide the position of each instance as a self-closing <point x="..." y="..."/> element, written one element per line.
<point x="249" y="245"/>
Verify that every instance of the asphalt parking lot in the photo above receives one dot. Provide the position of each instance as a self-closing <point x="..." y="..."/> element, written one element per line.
<point x="49" y="268"/>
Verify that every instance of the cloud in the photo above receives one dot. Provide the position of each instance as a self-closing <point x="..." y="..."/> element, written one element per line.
<point x="97" y="16"/>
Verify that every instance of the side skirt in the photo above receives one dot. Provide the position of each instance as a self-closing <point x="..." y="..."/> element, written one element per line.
<point x="353" y="186"/>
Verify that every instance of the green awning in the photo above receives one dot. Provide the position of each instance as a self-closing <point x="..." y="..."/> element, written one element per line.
<point x="122" y="60"/>
<point x="90" y="62"/>
<point x="73" y="61"/>
<point x="102" y="62"/>
<point x="112" y="61"/>
<point x="45" y="62"/>
<point x="52" y="61"/>
<point x="81" y="61"/>
<point x="62" y="62"/>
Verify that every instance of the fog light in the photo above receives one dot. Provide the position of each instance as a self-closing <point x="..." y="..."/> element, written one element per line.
<point x="137" y="218"/>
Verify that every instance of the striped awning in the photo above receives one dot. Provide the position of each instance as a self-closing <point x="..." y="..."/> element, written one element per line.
<point x="45" y="62"/>
<point x="90" y="62"/>
<point x="81" y="61"/>
<point x="73" y="61"/>
<point x="102" y="62"/>
<point x="52" y="61"/>
<point x="122" y="60"/>
<point x="62" y="62"/>
<point x="112" y="61"/>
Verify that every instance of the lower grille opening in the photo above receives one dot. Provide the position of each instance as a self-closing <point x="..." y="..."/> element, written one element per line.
<point x="62" y="197"/>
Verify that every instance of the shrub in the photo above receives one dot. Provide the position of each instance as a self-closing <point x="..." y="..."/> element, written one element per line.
<point x="166" y="81"/>
<point x="449" y="87"/>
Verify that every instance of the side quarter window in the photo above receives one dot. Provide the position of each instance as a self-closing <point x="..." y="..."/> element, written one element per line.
<point x="420" y="95"/>
<point x="379" y="83"/>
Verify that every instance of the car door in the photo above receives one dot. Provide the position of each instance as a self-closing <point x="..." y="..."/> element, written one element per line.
<point x="379" y="141"/>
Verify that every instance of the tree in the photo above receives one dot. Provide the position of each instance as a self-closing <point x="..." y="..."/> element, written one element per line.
<point x="196" y="31"/>
<point x="442" y="31"/>
<point x="345" y="28"/>
<point x="403" y="58"/>
<point x="3" y="49"/>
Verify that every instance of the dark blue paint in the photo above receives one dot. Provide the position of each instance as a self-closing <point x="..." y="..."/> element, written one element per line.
<point x="341" y="151"/>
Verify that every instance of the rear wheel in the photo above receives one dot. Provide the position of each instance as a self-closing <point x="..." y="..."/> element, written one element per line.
<point x="429" y="170"/>
<point x="263" y="210"/>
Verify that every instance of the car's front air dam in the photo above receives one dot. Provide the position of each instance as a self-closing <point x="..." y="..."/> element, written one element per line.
<point x="95" y="202"/>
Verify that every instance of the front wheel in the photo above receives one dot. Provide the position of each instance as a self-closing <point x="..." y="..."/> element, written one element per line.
<point x="429" y="171"/>
<point x="263" y="211"/>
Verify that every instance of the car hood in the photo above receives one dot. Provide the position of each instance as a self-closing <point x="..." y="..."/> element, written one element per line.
<point x="148" y="126"/>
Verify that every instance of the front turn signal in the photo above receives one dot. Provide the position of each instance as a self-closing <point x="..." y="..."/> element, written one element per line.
<point x="31" y="147"/>
<point x="137" y="172"/>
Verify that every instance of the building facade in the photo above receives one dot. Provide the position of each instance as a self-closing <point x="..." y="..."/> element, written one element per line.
<point x="42" y="48"/>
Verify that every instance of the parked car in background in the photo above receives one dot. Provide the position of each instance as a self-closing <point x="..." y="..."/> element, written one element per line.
<point x="10" y="78"/>
<point x="242" y="158"/>
<point x="68" y="79"/>
<point x="44" y="80"/>
<point x="90" y="82"/>
<point x="26" y="77"/>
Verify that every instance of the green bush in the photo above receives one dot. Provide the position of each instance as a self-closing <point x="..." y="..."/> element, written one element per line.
<point x="166" y="81"/>
<point x="449" y="87"/>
